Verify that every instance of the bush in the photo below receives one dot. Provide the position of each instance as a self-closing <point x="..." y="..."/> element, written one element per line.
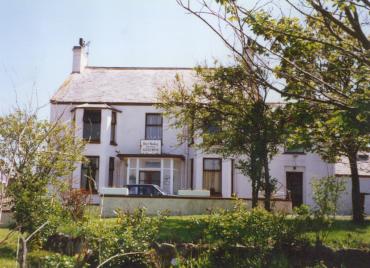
<point x="74" y="202"/>
<point x="246" y="237"/>
<point x="255" y="228"/>
<point x="46" y="259"/>
<point x="326" y="194"/>
<point x="134" y="232"/>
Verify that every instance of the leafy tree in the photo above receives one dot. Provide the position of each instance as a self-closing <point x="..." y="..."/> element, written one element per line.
<point x="332" y="129"/>
<point x="317" y="54"/>
<point x="35" y="155"/>
<point x="228" y="115"/>
<point x="262" y="26"/>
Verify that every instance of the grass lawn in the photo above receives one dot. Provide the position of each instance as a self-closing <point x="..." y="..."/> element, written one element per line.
<point x="182" y="229"/>
<point x="345" y="234"/>
<point x="7" y="249"/>
<point x="178" y="229"/>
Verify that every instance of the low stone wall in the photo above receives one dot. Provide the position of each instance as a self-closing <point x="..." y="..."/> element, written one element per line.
<point x="178" y="205"/>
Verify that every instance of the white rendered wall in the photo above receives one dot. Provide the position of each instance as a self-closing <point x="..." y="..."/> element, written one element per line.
<point x="345" y="204"/>
<point x="311" y="165"/>
<point x="131" y="129"/>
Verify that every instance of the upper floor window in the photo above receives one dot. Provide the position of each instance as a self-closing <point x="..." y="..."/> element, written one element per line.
<point x="113" y="128"/>
<point x="297" y="149"/>
<point x="153" y="126"/>
<point x="362" y="157"/>
<point x="91" y="127"/>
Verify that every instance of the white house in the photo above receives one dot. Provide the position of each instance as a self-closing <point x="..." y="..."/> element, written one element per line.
<point x="130" y="142"/>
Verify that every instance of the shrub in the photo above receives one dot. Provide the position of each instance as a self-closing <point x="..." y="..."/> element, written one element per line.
<point x="255" y="228"/>
<point x="134" y="232"/>
<point x="250" y="235"/>
<point x="75" y="201"/>
<point x="46" y="259"/>
<point x="326" y="194"/>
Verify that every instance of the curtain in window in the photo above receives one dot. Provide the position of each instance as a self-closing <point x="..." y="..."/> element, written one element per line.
<point x="153" y="126"/>
<point x="212" y="175"/>
<point x="153" y="133"/>
<point x="91" y="128"/>
<point x="113" y="128"/>
<point x="111" y="172"/>
<point x="212" y="181"/>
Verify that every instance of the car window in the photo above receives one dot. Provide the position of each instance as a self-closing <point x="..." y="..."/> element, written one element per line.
<point x="145" y="190"/>
<point x="133" y="190"/>
<point x="156" y="191"/>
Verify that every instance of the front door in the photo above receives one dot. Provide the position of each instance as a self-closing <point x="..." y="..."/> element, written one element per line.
<point x="294" y="185"/>
<point x="150" y="177"/>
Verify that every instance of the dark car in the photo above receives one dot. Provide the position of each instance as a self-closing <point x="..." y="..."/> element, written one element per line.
<point x="144" y="190"/>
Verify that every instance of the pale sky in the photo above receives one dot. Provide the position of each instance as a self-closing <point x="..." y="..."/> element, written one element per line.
<point x="37" y="38"/>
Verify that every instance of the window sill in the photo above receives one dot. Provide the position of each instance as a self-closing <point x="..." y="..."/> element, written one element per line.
<point x="92" y="142"/>
<point x="301" y="153"/>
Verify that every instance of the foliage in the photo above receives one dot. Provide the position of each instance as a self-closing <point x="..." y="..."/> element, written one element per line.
<point x="202" y="261"/>
<point x="75" y="201"/>
<point x="316" y="56"/>
<point x="35" y="154"/>
<point x="255" y="233"/>
<point x="227" y="115"/>
<point x="132" y="233"/>
<point x="330" y="82"/>
<point x="326" y="194"/>
<point x="50" y="260"/>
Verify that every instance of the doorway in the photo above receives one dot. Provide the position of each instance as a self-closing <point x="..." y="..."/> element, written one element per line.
<point x="150" y="177"/>
<point x="294" y="185"/>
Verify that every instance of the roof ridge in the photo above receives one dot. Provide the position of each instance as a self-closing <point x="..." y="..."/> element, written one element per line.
<point x="139" y="68"/>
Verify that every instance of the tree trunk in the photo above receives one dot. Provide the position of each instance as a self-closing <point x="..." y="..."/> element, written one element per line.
<point x="357" y="213"/>
<point x="254" y="194"/>
<point x="23" y="253"/>
<point x="268" y="188"/>
<point x="255" y="181"/>
<point x="255" y="177"/>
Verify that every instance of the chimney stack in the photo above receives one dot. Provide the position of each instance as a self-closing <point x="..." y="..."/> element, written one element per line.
<point x="79" y="57"/>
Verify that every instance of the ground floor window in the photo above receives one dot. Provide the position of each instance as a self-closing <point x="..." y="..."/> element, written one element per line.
<point x="212" y="175"/>
<point x="111" y="172"/>
<point x="90" y="174"/>
<point x="150" y="177"/>
<point x="164" y="172"/>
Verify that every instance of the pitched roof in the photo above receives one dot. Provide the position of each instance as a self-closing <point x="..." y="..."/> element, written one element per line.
<point x="342" y="167"/>
<point x="119" y="85"/>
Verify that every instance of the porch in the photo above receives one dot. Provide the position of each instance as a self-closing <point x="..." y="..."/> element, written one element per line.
<point x="165" y="170"/>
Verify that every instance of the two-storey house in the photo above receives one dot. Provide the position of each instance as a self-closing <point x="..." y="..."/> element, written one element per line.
<point x="130" y="142"/>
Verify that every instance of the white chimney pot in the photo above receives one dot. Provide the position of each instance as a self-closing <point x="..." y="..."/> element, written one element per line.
<point x="79" y="59"/>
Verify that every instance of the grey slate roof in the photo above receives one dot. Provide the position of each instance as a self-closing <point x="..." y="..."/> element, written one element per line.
<point x="342" y="167"/>
<point x="119" y="85"/>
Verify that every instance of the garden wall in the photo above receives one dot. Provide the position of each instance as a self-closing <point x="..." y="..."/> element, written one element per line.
<point x="178" y="205"/>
